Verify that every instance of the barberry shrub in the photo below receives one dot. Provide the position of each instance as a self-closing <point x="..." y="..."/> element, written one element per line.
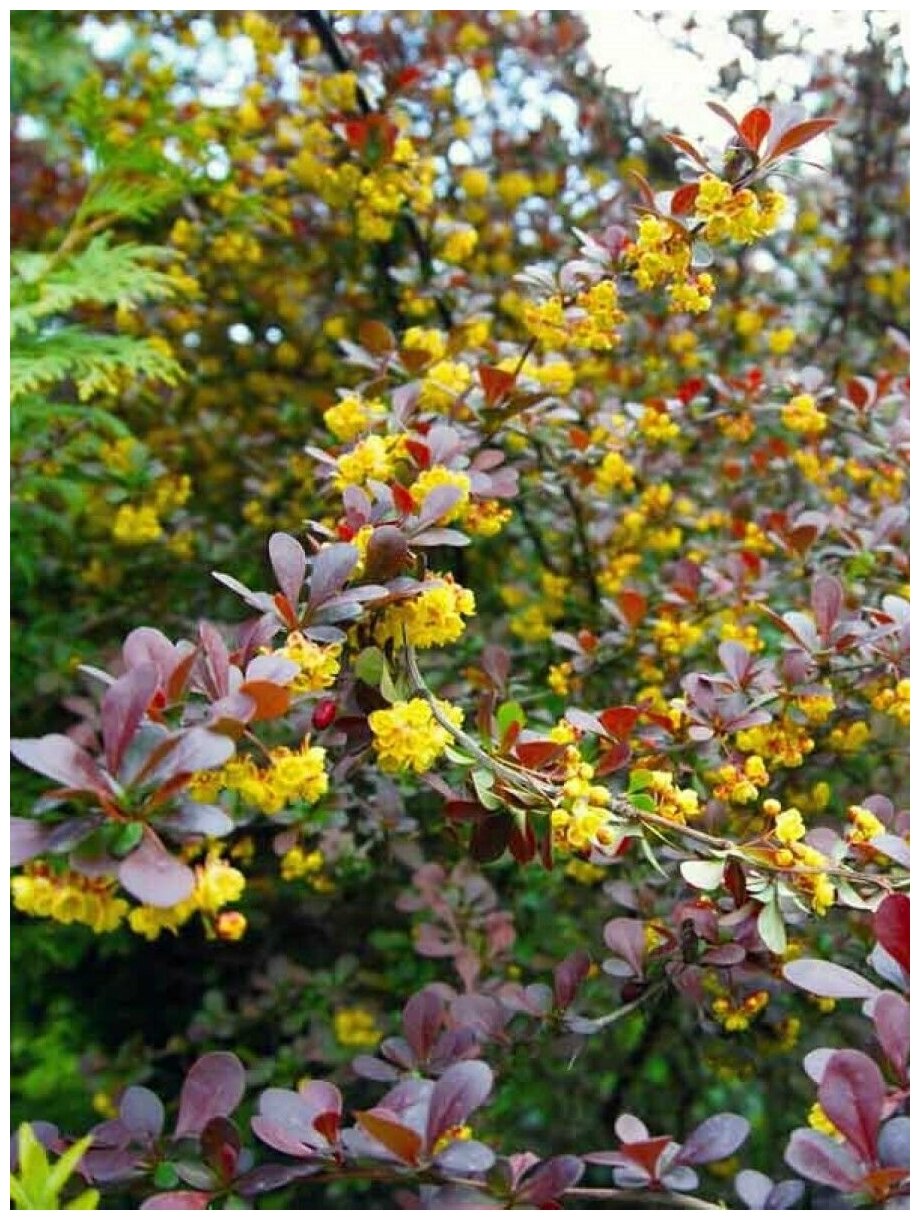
<point x="504" y="510"/>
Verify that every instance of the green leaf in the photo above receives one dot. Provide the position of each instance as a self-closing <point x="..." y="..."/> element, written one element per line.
<point x="369" y="666"/>
<point x="646" y="804"/>
<point x="509" y="713"/>
<point x="639" y="780"/>
<point x="703" y="874"/>
<point x="771" y="928"/>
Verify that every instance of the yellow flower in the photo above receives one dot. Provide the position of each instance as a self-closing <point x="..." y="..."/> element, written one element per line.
<point x="355" y="1027"/>
<point x="407" y="736"/>
<point x="801" y="415"/>
<point x="371" y="458"/>
<point x="443" y="384"/>
<point x="474" y="182"/>
<point x="136" y="526"/>
<point x="68" y="897"/>
<point x="319" y="663"/>
<point x="789" y="826"/>
<point x="440" y="476"/>
<point x="217" y="883"/>
<point x="352" y="416"/>
<point x="614" y="474"/>
<point x="431" y="618"/>
<point x="298" y="775"/>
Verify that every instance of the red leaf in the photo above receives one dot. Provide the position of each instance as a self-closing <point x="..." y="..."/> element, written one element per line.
<point x="684" y="198"/>
<point x="497" y="383"/>
<point x="632" y="606"/>
<point x="852" y="1095"/>
<point x="754" y="127"/>
<point x="420" y="452"/>
<point x="891" y="925"/>
<point x="796" y="136"/>
<point x="619" y="721"/>
<point x="286" y="611"/>
<point x="535" y="754"/>
<point x="377" y="338"/>
<point x="402" y="498"/>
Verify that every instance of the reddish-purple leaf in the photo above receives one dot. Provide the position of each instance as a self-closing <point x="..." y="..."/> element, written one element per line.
<point x="891" y="1017"/>
<point x="437" y="504"/>
<point x="264" y="1178"/>
<point x="796" y="136"/>
<point x="754" y="127"/>
<point x="826" y="602"/>
<point x="423" y="1017"/>
<point x="213" y="1089"/>
<point x="891" y="925"/>
<point x="154" y="876"/>
<point x="177" y="1200"/>
<point x="289" y="563"/>
<point x="124" y="705"/>
<point x="714" y="1139"/>
<point x="569" y="976"/>
<point x="462" y="1089"/>
<point x="547" y="1181"/>
<point x="820" y="1159"/>
<point x="331" y="568"/>
<point x="196" y="749"/>
<point x="828" y="979"/>
<point x="61" y="759"/>
<point x="852" y="1095"/>
<point x="464" y="1157"/>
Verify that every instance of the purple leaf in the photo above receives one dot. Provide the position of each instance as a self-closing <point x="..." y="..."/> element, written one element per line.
<point x="440" y="536"/>
<point x="752" y="1188"/>
<point x="141" y="1112"/>
<point x="372" y="1068"/>
<point x="462" y="1089"/>
<point x="820" y="1159"/>
<point x="828" y="979"/>
<point x="437" y="504"/>
<point x="626" y="938"/>
<point x="124" y="706"/>
<point x="852" y="1095"/>
<point x="213" y="1089"/>
<point x="196" y="749"/>
<point x="331" y="568"/>
<point x="826" y="603"/>
<point x="569" y="976"/>
<point x="630" y="1130"/>
<point x="891" y="1017"/>
<point x="894" y="1143"/>
<point x="289" y="563"/>
<point x="27" y="839"/>
<point x="547" y="1181"/>
<point x="259" y="601"/>
<point x="61" y="759"/>
<point x="465" y="1156"/>
<point x="784" y="1195"/>
<point x="714" y="1139"/>
<point x="263" y="1178"/>
<point x="154" y="876"/>
<point x="287" y="1120"/>
<point x="423" y="1017"/>
<point x="177" y="1200"/>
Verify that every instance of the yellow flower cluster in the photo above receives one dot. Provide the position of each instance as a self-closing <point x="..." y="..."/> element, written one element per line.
<point x="660" y="254"/>
<point x="319" y="663"/>
<point x="801" y="415"/>
<point x="656" y="426"/>
<point x="582" y="821"/>
<point x="849" y="738"/>
<point x="735" y="215"/>
<point x="486" y="518"/>
<point x="373" y="458"/>
<point x="443" y="383"/>
<point x="864" y="824"/>
<point x="782" y="742"/>
<point x="292" y="775"/>
<point x="440" y="476"/>
<point x="737" y="1017"/>
<point x="352" y="416"/>
<point x="614" y="474"/>
<point x="431" y="618"/>
<point x="590" y="320"/>
<point x="68" y="897"/>
<point x="675" y="636"/>
<point x="740" y="784"/>
<point x="217" y="884"/>
<point x="355" y="1027"/>
<point x="136" y="525"/>
<point x="789" y="829"/>
<point x="407" y="736"/>
<point x="895" y="702"/>
<point x="458" y="244"/>
<point x="676" y="804"/>
<point x="692" y="295"/>
<point x="300" y="865"/>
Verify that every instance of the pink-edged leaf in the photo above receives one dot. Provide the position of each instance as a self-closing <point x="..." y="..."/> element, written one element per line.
<point x="213" y="1088"/>
<point x="545" y="1183"/>
<point x="402" y="1141"/>
<point x="891" y="1017"/>
<point x="60" y="759"/>
<point x="330" y="569"/>
<point x="265" y="1178"/>
<point x="423" y="1017"/>
<point x="197" y="749"/>
<point x="826" y="602"/>
<point x="626" y="938"/>
<point x="820" y="1159"/>
<point x="177" y="1200"/>
<point x="828" y="979"/>
<point x="215" y="660"/>
<point x="891" y="925"/>
<point x="688" y="150"/>
<point x="154" y="876"/>
<point x="27" y="840"/>
<point x="463" y="1157"/>
<point x="289" y="563"/>
<point x="461" y="1090"/>
<point x="714" y="1139"/>
<point x="852" y="1095"/>
<point x="124" y="705"/>
<point x="754" y="127"/>
<point x="441" y="537"/>
<point x="736" y="660"/>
